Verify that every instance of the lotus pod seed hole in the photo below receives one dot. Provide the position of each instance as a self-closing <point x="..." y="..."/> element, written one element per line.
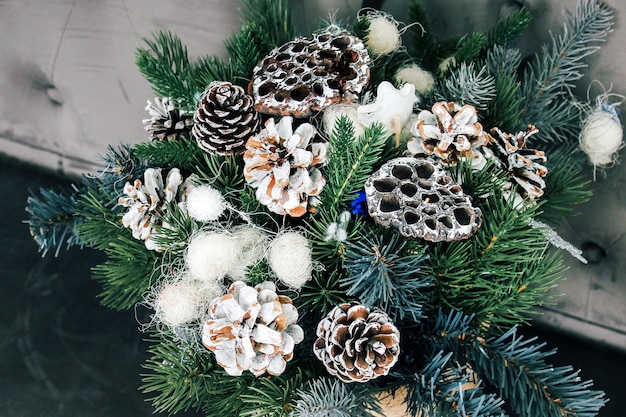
<point x="431" y="224"/>
<point x="446" y="221"/>
<point x="408" y="189"/>
<point x="266" y="88"/>
<point x="424" y="169"/>
<point x="385" y="185"/>
<point x="300" y="93"/>
<point x="389" y="204"/>
<point x="445" y="180"/>
<point x="463" y="216"/>
<point x="411" y="218"/>
<point x="426" y="185"/>
<point x="430" y="198"/>
<point x="402" y="172"/>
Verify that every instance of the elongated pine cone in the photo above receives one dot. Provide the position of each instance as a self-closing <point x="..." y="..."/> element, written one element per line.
<point x="280" y="164"/>
<point x="450" y="132"/>
<point x="252" y="329"/>
<point x="524" y="165"/>
<point x="147" y="201"/>
<point x="357" y="344"/>
<point x="307" y="75"/>
<point x="166" y="122"/>
<point x="225" y="119"/>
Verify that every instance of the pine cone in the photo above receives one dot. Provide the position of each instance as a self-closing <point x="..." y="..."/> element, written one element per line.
<point x="166" y="122"/>
<point x="280" y="164"/>
<point x="252" y="329"/>
<point x="225" y="119"/>
<point x="357" y="344"/>
<point x="147" y="201"/>
<point x="450" y="132"/>
<point x="524" y="165"/>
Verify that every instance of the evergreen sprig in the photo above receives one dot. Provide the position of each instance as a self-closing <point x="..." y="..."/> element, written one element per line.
<point x="271" y="397"/>
<point x="554" y="72"/>
<point x="52" y="221"/>
<point x="166" y="66"/>
<point x="350" y="162"/>
<point x="324" y="397"/>
<point x="380" y="272"/>
<point x="505" y="110"/>
<point x="518" y="368"/>
<point x="183" y="154"/>
<point x="467" y="84"/>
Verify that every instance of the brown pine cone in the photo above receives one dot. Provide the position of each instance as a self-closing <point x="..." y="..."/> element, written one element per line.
<point x="166" y="122"/>
<point x="225" y="119"/>
<point x="357" y="344"/>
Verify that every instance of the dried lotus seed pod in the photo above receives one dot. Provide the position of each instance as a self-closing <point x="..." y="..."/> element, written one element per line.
<point x="306" y="75"/>
<point x="417" y="196"/>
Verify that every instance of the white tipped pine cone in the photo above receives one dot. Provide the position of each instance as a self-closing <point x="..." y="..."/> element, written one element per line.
<point x="280" y="164"/>
<point x="225" y="119"/>
<point x="524" y="165"/>
<point x="357" y="344"/>
<point x="252" y="329"/>
<point x="166" y="122"/>
<point x="147" y="200"/>
<point x="450" y="132"/>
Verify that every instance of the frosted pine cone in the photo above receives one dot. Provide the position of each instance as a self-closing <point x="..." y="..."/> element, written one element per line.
<point x="225" y="119"/>
<point x="280" y="164"/>
<point x="166" y="122"/>
<point x="147" y="201"/>
<point x="450" y="132"/>
<point x="524" y="165"/>
<point x="357" y="344"/>
<point x="252" y="329"/>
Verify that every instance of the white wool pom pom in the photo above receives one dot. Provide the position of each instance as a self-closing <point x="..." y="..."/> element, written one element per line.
<point x="384" y="36"/>
<point x="211" y="255"/>
<point x="205" y="203"/>
<point x="252" y="246"/>
<point x="177" y="303"/>
<point x="423" y="80"/>
<point x="290" y="258"/>
<point x="335" y="112"/>
<point x="602" y="134"/>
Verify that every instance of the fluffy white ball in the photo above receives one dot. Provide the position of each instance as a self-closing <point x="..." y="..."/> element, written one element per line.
<point x="177" y="303"/>
<point x="423" y="80"/>
<point x="205" y="203"/>
<point x="290" y="258"/>
<point x="211" y="255"/>
<point x="602" y="136"/>
<point x="384" y="36"/>
<point x="335" y="112"/>
<point x="252" y="246"/>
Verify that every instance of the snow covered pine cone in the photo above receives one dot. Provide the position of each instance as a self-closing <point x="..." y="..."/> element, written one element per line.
<point x="252" y="329"/>
<point x="357" y="344"/>
<point x="280" y="164"/>
<point x="225" y="119"/>
<point x="450" y="132"/>
<point x="166" y="122"/>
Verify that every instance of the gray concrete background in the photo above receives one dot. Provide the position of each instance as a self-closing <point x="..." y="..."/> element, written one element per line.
<point x="69" y="88"/>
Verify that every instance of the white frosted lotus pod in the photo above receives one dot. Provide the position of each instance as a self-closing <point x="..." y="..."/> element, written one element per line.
<point x="420" y="199"/>
<point x="252" y="329"/>
<point x="306" y="75"/>
<point x="147" y="200"/>
<point x="357" y="344"/>
<point x="166" y="122"/>
<point x="224" y="119"/>
<point x="525" y="166"/>
<point x="450" y="132"/>
<point x="280" y="163"/>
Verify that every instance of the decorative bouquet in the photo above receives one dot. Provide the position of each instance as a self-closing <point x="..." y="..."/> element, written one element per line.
<point x="321" y="224"/>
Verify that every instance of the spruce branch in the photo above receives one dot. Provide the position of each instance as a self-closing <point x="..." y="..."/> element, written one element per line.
<point x="350" y="162"/>
<point x="517" y="367"/>
<point x="554" y="72"/>
<point x="380" y="272"/>
<point x="325" y="397"/>
<point x="52" y="220"/>
<point x="322" y="293"/>
<point x="185" y="154"/>
<point x="508" y="29"/>
<point x="504" y="110"/>
<point x="166" y="66"/>
<point x="468" y="85"/>
<point x="271" y="397"/>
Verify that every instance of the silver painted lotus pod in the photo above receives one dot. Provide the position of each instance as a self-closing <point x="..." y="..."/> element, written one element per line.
<point x="417" y="196"/>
